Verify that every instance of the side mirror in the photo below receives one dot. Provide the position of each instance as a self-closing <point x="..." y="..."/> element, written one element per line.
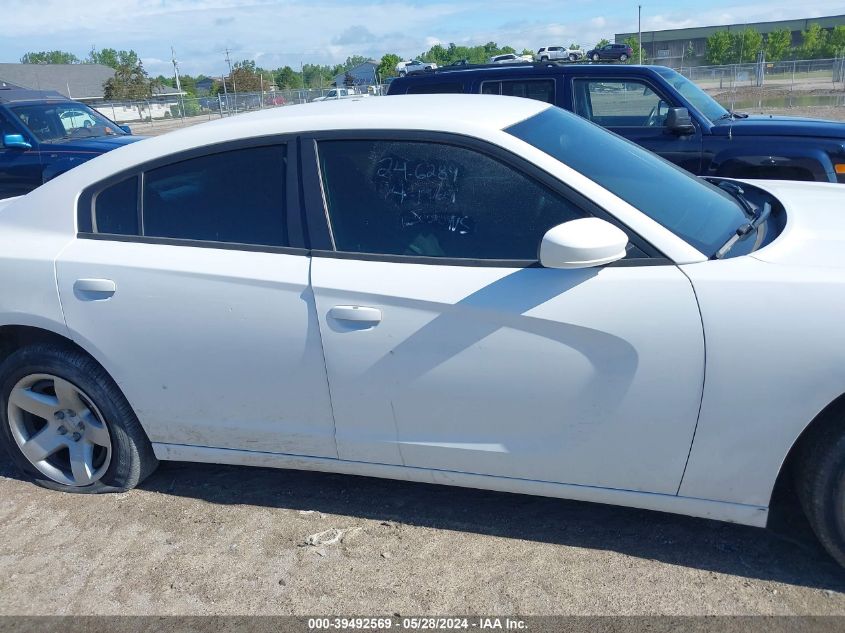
<point x="15" y="141"/>
<point x="582" y="243"/>
<point x="678" y="121"/>
<point x="125" y="128"/>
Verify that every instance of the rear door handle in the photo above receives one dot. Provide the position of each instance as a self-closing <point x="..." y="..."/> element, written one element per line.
<point x="94" y="289"/>
<point x="358" y="314"/>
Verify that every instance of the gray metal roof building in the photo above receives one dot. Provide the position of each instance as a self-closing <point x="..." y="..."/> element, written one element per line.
<point x="82" y="82"/>
<point x="673" y="43"/>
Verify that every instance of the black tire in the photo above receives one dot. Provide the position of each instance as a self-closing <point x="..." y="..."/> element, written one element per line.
<point x="820" y="482"/>
<point x="573" y="57"/>
<point x="544" y="59"/>
<point x="132" y="458"/>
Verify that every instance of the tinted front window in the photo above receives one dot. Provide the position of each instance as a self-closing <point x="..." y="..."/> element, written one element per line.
<point x="51" y="122"/>
<point x="696" y="211"/>
<point x="116" y="208"/>
<point x="434" y="200"/>
<point x="702" y="101"/>
<point x="236" y="196"/>
<point x="618" y="103"/>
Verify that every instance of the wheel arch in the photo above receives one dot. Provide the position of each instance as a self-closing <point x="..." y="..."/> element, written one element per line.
<point x="784" y="498"/>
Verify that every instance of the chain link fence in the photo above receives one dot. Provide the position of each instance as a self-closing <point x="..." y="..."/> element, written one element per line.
<point x="166" y="110"/>
<point x="803" y="74"/>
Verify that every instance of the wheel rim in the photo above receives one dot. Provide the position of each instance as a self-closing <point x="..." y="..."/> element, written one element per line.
<point x="59" y="430"/>
<point x="595" y="58"/>
<point x="623" y="58"/>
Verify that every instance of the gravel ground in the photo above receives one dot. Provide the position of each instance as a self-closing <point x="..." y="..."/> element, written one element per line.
<point x="204" y="539"/>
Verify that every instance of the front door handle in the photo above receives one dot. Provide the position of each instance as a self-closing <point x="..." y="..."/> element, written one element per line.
<point x="94" y="289"/>
<point x="358" y="314"/>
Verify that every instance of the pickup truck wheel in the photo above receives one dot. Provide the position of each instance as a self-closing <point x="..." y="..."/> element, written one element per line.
<point x="67" y="426"/>
<point x="595" y="57"/>
<point x="544" y="59"/>
<point x="820" y="481"/>
<point x="573" y="57"/>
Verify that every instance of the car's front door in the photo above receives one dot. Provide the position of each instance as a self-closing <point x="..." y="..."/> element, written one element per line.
<point x="20" y="167"/>
<point x="448" y="347"/>
<point x="636" y="109"/>
<point x="198" y="307"/>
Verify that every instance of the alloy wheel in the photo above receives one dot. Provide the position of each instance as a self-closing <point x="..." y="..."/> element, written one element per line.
<point x="59" y="430"/>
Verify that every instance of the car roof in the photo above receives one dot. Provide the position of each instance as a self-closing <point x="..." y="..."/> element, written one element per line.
<point x="506" y="71"/>
<point x="23" y="95"/>
<point x="458" y="114"/>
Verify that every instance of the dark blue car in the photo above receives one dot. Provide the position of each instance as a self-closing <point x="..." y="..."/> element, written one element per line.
<point x="664" y="112"/>
<point x="43" y="134"/>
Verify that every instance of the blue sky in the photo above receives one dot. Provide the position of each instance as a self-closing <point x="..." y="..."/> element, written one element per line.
<point x="279" y="32"/>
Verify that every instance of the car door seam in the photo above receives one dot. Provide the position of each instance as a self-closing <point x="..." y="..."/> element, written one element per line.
<point x="56" y="282"/>
<point x="313" y="298"/>
<point x="703" y="379"/>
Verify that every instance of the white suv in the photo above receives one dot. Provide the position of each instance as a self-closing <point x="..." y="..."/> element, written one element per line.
<point x="403" y="68"/>
<point x="550" y="53"/>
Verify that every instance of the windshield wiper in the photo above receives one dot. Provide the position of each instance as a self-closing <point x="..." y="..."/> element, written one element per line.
<point x="757" y="220"/>
<point x="730" y="114"/>
<point x="739" y="194"/>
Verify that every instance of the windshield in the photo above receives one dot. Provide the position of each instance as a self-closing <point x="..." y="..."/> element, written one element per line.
<point x="696" y="211"/>
<point x="700" y="100"/>
<point x="52" y="122"/>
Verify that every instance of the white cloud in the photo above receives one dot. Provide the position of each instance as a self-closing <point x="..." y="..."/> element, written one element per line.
<point x="278" y="32"/>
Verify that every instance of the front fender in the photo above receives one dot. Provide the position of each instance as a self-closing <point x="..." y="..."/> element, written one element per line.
<point x="783" y="158"/>
<point x="56" y="163"/>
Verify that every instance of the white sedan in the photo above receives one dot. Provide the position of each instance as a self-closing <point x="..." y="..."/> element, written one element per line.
<point x="507" y="297"/>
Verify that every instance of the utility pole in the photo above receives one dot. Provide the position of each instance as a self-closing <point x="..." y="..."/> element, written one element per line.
<point x="640" y="29"/>
<point x="178" y="83"/>
<point x="232" y="76"/>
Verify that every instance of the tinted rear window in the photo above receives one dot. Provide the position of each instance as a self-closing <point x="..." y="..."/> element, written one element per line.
<point x="236" y="196"/>
<point x="431" y="89"/>
<point x="116" y="208"/>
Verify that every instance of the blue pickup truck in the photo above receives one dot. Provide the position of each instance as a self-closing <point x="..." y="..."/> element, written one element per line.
<point x="43" y="134"/>
<point x="664" y="112"/>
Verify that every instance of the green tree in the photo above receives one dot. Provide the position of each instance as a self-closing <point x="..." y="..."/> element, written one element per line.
<point x="836" y="42"/>
<point x="354" y="60"/>
<point x="244" y="77"/>
<point x="719" y="47"/>
<point x="50" y="57"/>
<point x="575" y="46"/>
<point x="778" y="44"/>
<point x="602" y="42"/>
<point x="813" y="42"/>
<point x="634" y="43"/>
<point x="746" y="44"/>
<point x="387" y="66"/>
<point x="287" y="78"/>
<point x="130" y="82"/>
<point x="113" y="58"/>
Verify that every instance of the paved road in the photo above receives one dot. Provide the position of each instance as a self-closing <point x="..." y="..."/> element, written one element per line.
<point x="202" y="539"/>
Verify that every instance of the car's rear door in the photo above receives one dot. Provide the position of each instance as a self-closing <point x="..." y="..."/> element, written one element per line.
<point x="189" y="281"/>
<point x="448" y="347"/>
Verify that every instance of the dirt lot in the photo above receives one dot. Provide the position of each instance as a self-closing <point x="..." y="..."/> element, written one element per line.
<point x="200" y="539"/>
